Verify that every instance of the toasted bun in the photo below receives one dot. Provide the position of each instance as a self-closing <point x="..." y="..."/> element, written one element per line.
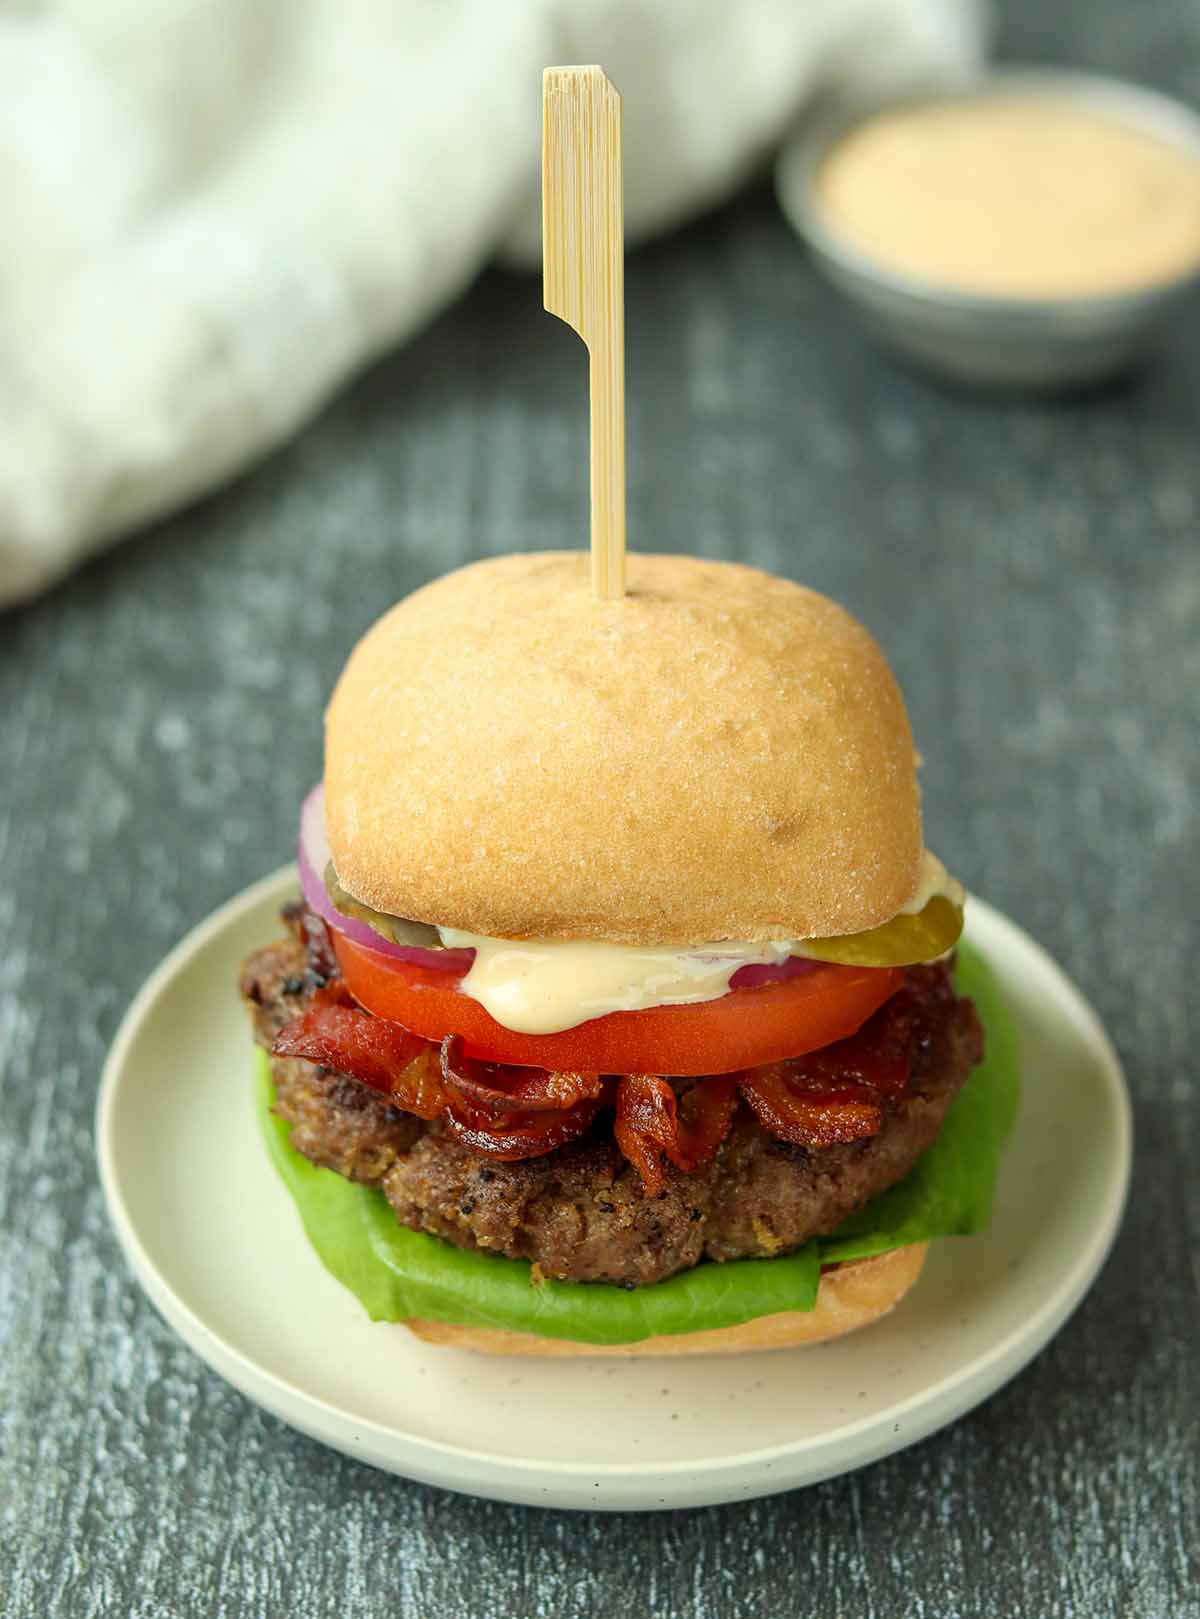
<point x="850" y="1296"/>
<point x="718" y="755"/>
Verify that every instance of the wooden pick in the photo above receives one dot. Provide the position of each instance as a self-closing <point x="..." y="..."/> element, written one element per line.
<point x="583" y="244"/>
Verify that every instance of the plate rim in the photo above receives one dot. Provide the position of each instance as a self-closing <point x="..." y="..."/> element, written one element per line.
<point x="943" y="1401"/>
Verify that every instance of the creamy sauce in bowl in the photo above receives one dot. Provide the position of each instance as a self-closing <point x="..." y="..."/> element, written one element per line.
<point x="1015" y="196"/>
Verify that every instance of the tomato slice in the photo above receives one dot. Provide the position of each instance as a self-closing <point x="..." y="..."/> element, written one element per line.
<point x="743" y="1029"/>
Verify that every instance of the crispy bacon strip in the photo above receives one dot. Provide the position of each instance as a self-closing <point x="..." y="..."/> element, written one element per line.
<point x="836" y="1094"/>
<point x="381" y="1053"/>
<point x="518" y="1135"/>
<point x="540" y="1111"/>
<point x="512" y="1113"/>
<point x="499" y="1088"/>
<point x="874" y="1057"/>
<point x="653" y="1122"/>
<point x="813" y="1118"/>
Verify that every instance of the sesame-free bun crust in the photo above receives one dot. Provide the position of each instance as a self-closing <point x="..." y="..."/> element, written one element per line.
<point x="719" y="754"/>
<point x="850" y="1296"/>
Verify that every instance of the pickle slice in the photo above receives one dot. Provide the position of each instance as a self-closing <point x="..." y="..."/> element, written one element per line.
<point x="901" y="942"/>
<point x="395" y="928"/>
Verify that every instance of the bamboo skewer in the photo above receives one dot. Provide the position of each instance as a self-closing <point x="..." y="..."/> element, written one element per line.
<point x="583" y="245"/>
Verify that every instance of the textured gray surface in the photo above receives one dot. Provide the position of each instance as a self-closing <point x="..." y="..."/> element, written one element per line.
<point x="1033" y="571"/>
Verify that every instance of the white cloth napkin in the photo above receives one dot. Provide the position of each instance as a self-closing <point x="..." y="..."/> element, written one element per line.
<point x="212" y="212"/>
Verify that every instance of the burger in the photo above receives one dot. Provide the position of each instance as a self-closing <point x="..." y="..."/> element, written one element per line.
<point x="624" y="1009"/>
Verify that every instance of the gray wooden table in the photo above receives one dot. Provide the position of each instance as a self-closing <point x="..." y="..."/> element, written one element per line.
<point x="1033" y="570"/>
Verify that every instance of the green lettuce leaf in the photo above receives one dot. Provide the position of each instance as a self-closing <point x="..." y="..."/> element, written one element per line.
<point x="948" y="1192"/>
<point x="396" y="1273"/>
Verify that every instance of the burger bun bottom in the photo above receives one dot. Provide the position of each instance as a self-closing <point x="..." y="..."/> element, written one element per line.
<point x="851" y="1295"/>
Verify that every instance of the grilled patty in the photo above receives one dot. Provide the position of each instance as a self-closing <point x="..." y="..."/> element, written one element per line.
<point x="579" y="1212"/>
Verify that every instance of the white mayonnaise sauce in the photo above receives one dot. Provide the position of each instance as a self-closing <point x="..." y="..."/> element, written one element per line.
<point x="933" y="882"/>
<point x="541" y="986"/>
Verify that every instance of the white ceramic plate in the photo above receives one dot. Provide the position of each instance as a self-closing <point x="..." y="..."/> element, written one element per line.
<point x="214" y="1239"/>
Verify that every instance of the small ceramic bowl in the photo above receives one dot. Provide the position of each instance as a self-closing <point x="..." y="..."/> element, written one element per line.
<point x="1025" y="342"/>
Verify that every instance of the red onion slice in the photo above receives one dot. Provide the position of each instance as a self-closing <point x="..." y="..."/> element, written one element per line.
<point x="757" y="973"/>
<point x="313" y="855"/>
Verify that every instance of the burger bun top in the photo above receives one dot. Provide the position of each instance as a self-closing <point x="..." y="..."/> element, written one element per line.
<point x="719" y="754"/>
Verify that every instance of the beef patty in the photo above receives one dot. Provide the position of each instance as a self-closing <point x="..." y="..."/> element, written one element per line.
<point x="579" y="1212"/>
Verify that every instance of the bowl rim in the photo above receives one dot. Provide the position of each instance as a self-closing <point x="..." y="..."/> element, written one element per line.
<point x="1153" y="112"/>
